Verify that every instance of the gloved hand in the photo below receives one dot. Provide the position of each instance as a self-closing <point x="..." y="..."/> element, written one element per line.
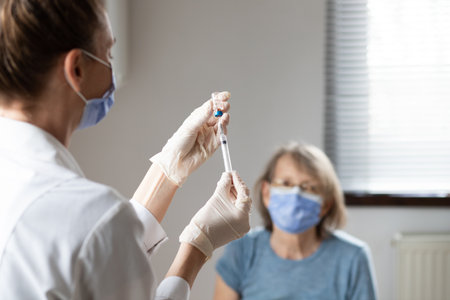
<point x="225" y="217"/>
<point x="194" y="142"/>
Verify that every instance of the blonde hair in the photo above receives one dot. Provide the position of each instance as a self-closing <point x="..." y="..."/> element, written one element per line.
<point x="315" y="162"/>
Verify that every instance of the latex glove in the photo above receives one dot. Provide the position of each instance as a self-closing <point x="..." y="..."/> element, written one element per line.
<point x="225" y="217"/>
<point x="194" y="142"/>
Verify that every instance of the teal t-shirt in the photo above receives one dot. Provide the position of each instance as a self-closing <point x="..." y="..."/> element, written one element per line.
<point x="340" y="269"/>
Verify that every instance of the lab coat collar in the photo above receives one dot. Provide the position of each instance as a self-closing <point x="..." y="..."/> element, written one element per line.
<point x="30" y="141"/>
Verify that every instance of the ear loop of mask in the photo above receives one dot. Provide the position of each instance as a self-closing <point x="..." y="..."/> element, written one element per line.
<point x="94" y="58"/>
<point x="97" y="58"/>
<point x="73" y="88"/>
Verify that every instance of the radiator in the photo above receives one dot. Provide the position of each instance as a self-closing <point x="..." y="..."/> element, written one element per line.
<point x="422" y="266"/>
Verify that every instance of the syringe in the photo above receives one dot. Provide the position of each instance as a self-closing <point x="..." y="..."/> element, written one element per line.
<point x="224" y="147"/>
<point x="223" y="138"/>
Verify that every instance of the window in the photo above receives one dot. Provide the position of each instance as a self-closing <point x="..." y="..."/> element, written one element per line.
<point x="388" y="97"/>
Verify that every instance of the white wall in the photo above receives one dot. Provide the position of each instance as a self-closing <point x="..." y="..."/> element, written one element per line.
<point x="270" y="56"/>
<point x="377" y="227"/>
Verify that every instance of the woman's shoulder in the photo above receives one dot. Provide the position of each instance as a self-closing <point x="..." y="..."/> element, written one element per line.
<point x="343" y="241"/>
<point x="346" y="250"/>
<point x="254" y="237"/>
<point x="241" y="254"/>
<point x="257" y="233"/>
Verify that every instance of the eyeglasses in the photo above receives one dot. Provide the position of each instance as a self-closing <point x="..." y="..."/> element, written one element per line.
<point x="305" y="186"/>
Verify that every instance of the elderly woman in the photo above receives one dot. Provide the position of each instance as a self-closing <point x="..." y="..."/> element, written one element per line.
<point x="63" y="236"/>
<point x="298" y="254"/>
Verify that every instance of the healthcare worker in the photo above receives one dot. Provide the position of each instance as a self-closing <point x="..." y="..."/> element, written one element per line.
<point x="63" y="236"/>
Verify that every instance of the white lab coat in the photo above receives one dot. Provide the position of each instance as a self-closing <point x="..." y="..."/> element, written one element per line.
<point x="63" y="236"/>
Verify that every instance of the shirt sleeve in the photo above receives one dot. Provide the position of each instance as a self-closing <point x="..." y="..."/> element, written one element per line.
<point x="362" y="285"/>
<point x="231" y="265"/>
<point x="154" y="235"/>
<point x="173" y="288"/>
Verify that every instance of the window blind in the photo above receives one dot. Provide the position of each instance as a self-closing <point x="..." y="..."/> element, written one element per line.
<point x="388" y="95"/>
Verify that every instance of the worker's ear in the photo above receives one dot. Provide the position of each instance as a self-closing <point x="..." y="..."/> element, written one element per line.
<point x="74" y="68"/>
<point x="265" y="192"/>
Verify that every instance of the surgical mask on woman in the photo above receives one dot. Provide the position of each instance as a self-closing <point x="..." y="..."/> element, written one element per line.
<point x="293" y="210"/>
<point x="96" y="108"/>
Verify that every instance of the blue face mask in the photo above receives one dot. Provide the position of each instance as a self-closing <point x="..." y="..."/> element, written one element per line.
<point x="293" y="210"/>
<point x="96" y="109"/>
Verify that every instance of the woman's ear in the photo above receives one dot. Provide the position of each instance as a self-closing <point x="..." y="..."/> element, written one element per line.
<point x="325" y="208"/>
<point x="73" y="69"/>
<point x="265" y="191"/>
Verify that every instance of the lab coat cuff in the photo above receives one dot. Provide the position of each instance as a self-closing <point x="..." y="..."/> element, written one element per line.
<point x="154" y="234"/>
<point x="173" y="288"/>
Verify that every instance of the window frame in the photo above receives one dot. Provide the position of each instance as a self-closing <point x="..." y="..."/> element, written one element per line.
<point x="353" y="199"/>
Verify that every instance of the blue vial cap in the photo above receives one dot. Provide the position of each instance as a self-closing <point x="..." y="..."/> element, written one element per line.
<point x="218" y="113"/>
